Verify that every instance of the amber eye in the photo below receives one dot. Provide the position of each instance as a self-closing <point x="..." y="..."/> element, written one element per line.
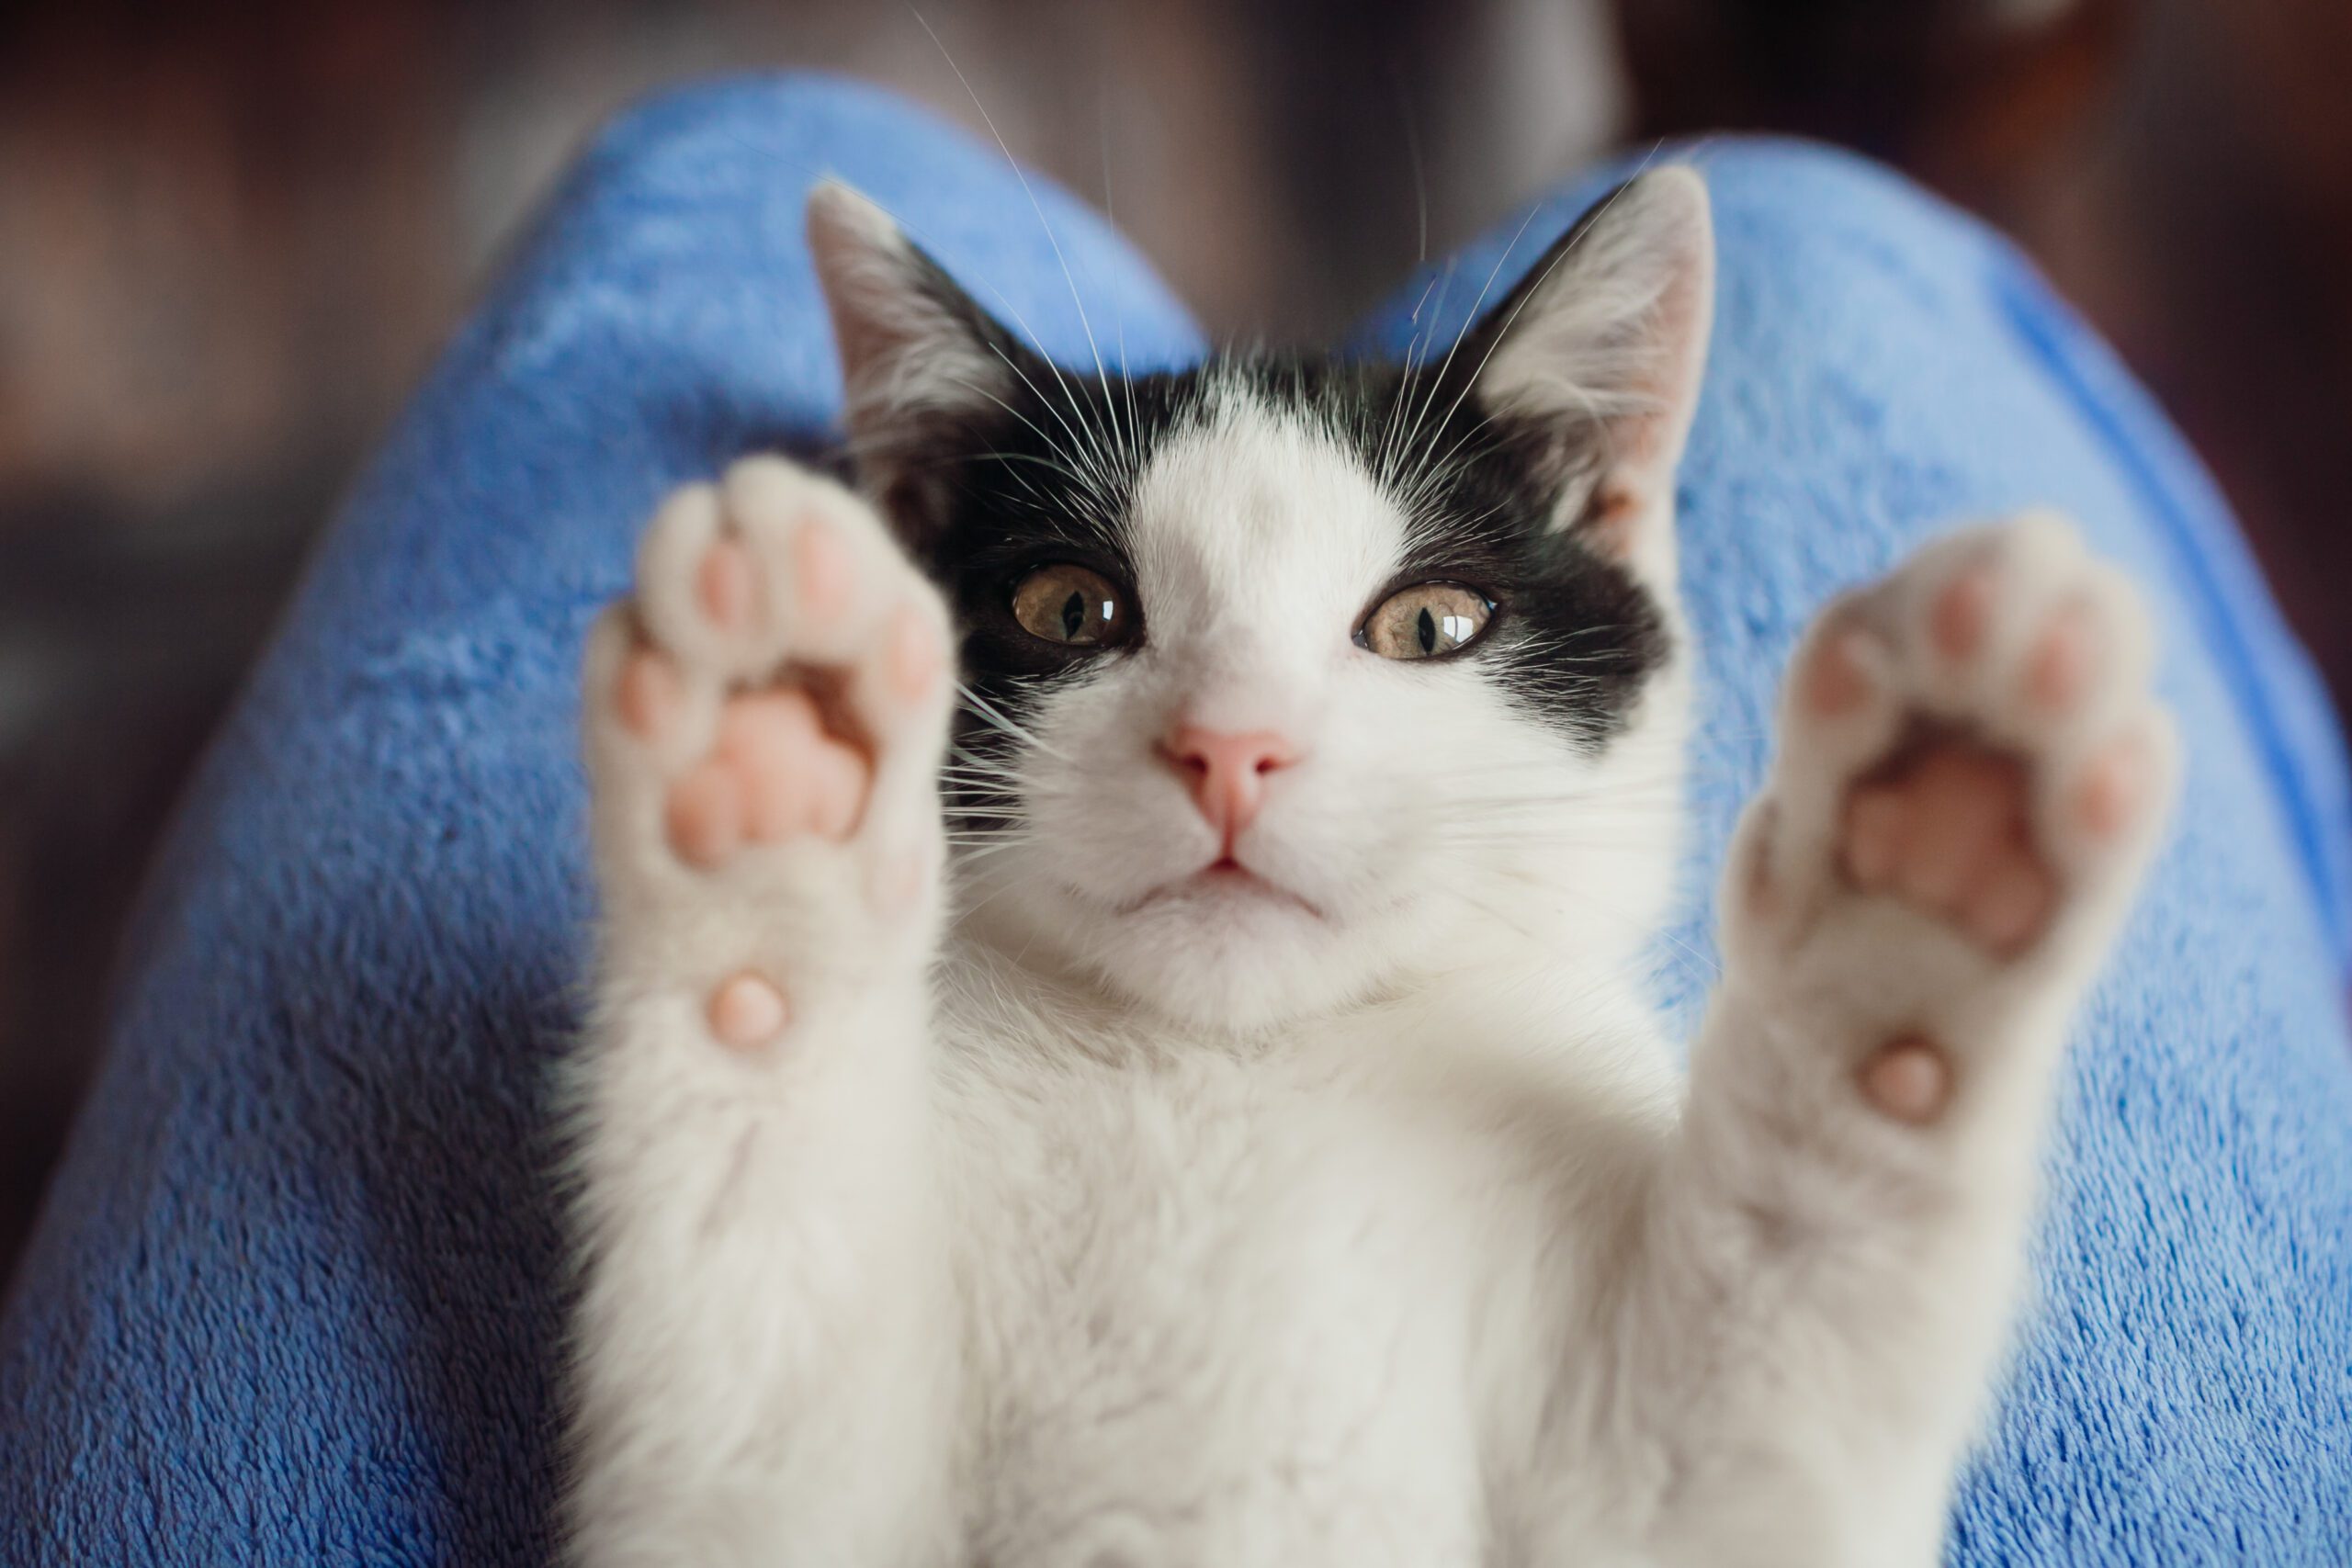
<point x="1070" y="605"/>
<point x="1425" y="620"/>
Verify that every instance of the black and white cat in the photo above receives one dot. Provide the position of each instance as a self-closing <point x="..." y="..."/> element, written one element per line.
<point x="1193" y="1101"/>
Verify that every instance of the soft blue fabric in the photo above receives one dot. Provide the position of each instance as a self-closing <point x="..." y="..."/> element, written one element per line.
<point x="296" y="1293"/>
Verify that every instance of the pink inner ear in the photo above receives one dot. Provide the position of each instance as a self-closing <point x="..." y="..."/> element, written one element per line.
<point x="1614" y="513"/>
<point x="826" y="572"/>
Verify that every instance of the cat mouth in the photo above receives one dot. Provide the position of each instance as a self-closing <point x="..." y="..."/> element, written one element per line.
<point x="1222" y="880"/>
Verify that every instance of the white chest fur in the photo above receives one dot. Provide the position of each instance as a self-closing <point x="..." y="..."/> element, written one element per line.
<point x="1283" y="1305"/>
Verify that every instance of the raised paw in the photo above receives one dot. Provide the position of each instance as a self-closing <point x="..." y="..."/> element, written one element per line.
<point x="765" y="720"/>
<point x="1969" y="748"/>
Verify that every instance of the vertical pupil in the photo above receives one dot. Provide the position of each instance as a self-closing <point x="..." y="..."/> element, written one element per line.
<point x="1426" y="628"/>
<point x="1073" y="614"/>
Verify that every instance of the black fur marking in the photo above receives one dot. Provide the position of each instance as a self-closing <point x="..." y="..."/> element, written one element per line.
<point x="1575" y="638"/>
<point x="1046" y="483"/>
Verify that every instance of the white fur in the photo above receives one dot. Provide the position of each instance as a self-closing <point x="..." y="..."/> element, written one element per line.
<point x="1060" y="1231"/>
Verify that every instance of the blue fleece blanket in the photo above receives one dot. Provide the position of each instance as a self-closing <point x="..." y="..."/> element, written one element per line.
<point x="296" y="1294"/>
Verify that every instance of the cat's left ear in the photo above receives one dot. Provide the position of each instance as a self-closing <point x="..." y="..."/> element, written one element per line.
<point x="1598" y="353"/>
<point x="925" y="370"/>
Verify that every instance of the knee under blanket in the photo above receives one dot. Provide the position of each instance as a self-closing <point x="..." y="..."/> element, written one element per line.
<point x="295" y="1297"/>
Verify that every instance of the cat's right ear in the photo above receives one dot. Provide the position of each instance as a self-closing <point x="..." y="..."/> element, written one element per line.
<point x="1599" y="351"/>
<point x="923" y="369"/>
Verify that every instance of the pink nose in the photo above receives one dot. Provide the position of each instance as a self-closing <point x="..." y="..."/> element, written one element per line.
<point x="1227" y="773"/>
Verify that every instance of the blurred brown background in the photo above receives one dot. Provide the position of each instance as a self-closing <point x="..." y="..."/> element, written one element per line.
<point x="231" y="236"/>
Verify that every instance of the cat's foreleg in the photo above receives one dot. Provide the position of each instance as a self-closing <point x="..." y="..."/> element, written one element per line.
<point x="1972" y="776"/>
<point x="762" y="1367"/>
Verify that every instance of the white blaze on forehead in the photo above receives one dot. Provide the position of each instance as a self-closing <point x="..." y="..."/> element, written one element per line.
<point x="1257" y="537"/>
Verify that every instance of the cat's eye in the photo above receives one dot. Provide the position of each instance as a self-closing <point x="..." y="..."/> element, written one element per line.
<point x="1426" y="620"/>
<point x="1067" y="603"/>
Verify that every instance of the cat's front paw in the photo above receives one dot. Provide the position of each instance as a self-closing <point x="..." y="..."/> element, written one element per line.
<point x="1972" y="775"/>
<point x="764" y="721"/>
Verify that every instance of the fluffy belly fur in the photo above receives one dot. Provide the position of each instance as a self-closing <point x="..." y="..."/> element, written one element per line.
<point x="1240" y="1309"/>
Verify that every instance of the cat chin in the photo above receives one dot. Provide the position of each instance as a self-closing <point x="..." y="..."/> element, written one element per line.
<point x="1234" y="988"/>
<point x="1213" y="958"/>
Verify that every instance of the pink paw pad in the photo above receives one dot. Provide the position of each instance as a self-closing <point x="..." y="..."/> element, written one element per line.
<point x="2107" y="794"/>
<point x="648" y="694"/>
<point x="1961" y="804"/>
<point x="704" y="814"/>
<point x="1950" y="836"/>
<point x="821" y="563"/>
<point x="1878" y="825"/>
<point x="796" y="778"/>
<point x="2012" y="898"/>
<point x="727" y="584"/>
<point x="913" y="655"/>
<point x="747" y="1011"/>
<point x="1836" y="685"/>
<point x="1908" y="1080"/>
<point x="1962" y="614"/>
<point x="2058" y="670"/>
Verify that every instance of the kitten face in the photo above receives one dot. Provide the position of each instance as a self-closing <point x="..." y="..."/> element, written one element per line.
<point x="1291" y="678"/>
